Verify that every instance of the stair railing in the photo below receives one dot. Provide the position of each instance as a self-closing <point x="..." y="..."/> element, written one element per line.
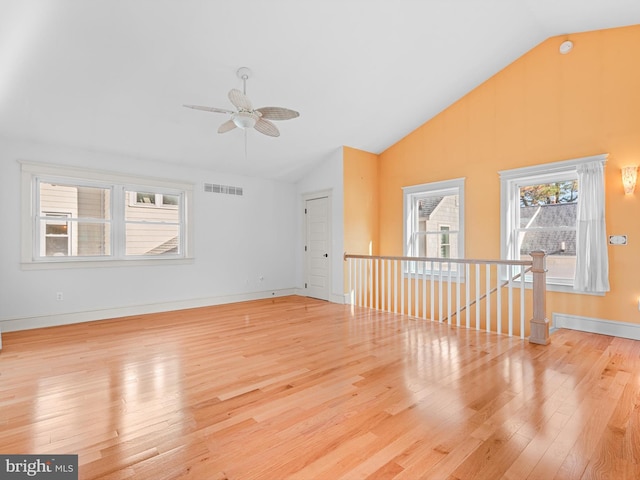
<point x="447" y="289"/>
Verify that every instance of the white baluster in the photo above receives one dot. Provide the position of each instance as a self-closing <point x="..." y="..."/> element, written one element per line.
<point x="383" y="286"/>
<point x="522" y="268"/>
<point x="432" y="301"/>
<point x="416" y="297"/>
<point x="440" y="308"/>
<point x="389" y="263"/>
<point x="467" y="296"/>
<point x="449" y="306"/>
<point x="510" y="269"/>
<point x="477" y="268"/>
<point x="409" y="276"/>
<point x="488" y="299"/>
<point x="498" y="299"/>
<point x="458" y="299"/>
<point x="424" y="291"/>
<point x="395" y="286"/>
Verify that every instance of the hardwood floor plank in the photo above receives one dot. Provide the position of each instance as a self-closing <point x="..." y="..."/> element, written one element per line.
<point x="303" y="389"/>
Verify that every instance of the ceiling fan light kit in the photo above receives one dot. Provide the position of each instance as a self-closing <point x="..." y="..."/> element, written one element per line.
<point x="245" y="116"/>
<point x="244" y="119"/>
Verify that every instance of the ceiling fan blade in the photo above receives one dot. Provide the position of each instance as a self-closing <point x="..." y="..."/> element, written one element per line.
<point x="226" y="126"/>
<point x="240" y="100"/>
<point x="266" y="127"/>
<point x="209" y="109"/>
<point x="277" y="113"/>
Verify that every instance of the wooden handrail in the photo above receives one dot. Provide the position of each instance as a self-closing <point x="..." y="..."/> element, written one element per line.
<point x="441" y="260"/>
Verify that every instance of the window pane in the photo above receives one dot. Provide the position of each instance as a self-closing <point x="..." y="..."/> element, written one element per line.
<point x="149" y="211"/>
<point x="445" y="242"/>
<point x="57" y="247"/>
<point x="559" y="267"/>
<point x="556" y="215"/>
<point x="57" y="228"/>
<point x="549" y="204"/>
<point x="432" y="212"/>
<point x="145" y="198"/>
<point x="152" y="239"/>
<point x="74" y="220"/>
<point x="75" y="201"/>
<point x="170" y="199"/>
<point x="558" y="242"/>
<point x="93" y="239"/>
<point x="75" y="239"/>
<point x="431" y="244"/>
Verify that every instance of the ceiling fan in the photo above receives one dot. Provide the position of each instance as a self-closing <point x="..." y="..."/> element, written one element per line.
<point x="246" y="117"/>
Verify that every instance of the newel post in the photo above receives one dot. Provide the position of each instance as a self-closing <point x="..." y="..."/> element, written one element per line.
<point x="539" y="325"/>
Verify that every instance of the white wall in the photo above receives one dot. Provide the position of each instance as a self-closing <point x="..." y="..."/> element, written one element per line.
<point x="238" y="240"/>
<point x="328" y="175"/>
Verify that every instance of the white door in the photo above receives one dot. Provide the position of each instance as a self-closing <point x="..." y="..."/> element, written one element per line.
<point x="317" y="248"/>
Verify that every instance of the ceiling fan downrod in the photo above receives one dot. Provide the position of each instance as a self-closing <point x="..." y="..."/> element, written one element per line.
<point x="243" y="74"/>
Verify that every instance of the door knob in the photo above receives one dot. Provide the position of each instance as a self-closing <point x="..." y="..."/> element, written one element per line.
<point x="326" y="255"/>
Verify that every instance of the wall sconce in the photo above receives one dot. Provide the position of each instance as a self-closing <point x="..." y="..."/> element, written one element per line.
<point x="629" y="177"/>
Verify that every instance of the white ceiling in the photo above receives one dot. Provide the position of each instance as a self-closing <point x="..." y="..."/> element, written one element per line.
<point x="112" y="75"/>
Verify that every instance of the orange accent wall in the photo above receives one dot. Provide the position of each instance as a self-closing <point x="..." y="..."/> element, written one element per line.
<point x="545" y="107"/>
<point x="360" y="202"/>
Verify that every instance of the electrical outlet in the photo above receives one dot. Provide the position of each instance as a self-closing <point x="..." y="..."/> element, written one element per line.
<point x="59" y="296"/>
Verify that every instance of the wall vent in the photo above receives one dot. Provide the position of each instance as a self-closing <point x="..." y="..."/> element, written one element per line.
<point x="226" y="189"/>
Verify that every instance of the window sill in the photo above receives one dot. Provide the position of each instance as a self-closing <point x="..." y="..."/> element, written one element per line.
<point x="104" y="263"/>
<point x="552" y="287"/>
<point x="557" y="287"/>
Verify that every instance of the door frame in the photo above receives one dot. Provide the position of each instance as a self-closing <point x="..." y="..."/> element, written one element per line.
<point x="328" y="194"/>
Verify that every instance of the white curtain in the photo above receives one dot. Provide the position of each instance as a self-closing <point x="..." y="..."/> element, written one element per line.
<point x="592" y="262"/>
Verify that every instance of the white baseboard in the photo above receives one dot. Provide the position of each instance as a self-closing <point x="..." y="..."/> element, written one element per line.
<point x="28" y="323"/>
<point x="341" y="299"/>
<point x="596" y="325"/>
<point x="333" y="297"/>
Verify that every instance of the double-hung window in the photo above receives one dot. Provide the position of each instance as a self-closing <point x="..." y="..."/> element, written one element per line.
<point x="539" y="211"/>
<point x="79" y="217"/>
<point x="434" y="220"/>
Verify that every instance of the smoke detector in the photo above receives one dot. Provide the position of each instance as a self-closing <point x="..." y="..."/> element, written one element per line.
<point x="566" y="46"/>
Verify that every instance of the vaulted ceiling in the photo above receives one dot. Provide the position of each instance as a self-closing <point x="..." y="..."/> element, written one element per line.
<point x="112" y="75"/>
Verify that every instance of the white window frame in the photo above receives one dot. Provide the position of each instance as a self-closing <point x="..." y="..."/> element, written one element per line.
<point x="510" y="183"/>
<point x="32" y="173"/>
<point x="412" y="193"/>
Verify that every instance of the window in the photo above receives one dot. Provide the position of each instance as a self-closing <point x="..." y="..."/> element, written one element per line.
<point x="86" y="210"/>
<point x="445" y="242"/>
<point x="72" y="216"/>
<point x="434" y="219"/>
<point x="539" y="212"/>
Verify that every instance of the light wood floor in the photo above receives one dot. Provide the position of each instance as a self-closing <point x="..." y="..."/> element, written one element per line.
<point x="299" y="388"/>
